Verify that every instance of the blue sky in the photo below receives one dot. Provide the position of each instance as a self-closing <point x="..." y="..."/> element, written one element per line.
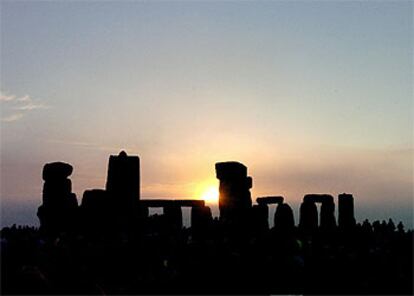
<point x="312" y="96"/>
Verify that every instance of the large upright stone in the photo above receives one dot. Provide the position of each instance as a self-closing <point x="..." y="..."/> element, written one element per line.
<point x="123" y="188"/>
<point x="54" y="191"/>
<point x="346" y="218"/>
<point x="284" y="219"/>
<point x="94" y="199"/>
<point x="327" y="215"/>
<point x="123" y="181"/>
<point x="95" y="210"/>
<point x="235" y="199"/>
<point x="308" y="210"/>
<point x="58" y="212"/>
<point x="308" y="220"/>
<point x="201" y="219"/>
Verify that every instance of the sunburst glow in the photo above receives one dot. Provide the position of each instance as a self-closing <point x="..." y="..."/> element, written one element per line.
<point x="210" y="195"/>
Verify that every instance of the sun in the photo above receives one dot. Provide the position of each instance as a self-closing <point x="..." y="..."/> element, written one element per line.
<point x="210" y="194"/>
<point x="207" y="190"/>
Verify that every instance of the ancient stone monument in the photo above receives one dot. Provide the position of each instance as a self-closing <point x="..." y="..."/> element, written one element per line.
<point x="119" y="209"/>
<point x="58" y="211"/>
<point x="95" y="210"/>
<point x="284" y="219"/>
<point x="309" y="213"/>
<point x="267" y="200"/>
<point x="260" y="212"/>
<point x="308" y="219"/>
<point x="346" y="218"/>
<point x="201" y="220"/>
<point x="123" y="181"/>
<point x="235" y="201"/>
<point x="123" y="188"/>
<point x="200" y="214"/>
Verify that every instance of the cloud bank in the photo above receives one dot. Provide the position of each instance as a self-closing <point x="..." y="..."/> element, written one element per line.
<point x="15" y="108"/>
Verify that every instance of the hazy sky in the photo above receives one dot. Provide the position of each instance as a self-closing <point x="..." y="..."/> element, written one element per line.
<point x="314" y="97"/>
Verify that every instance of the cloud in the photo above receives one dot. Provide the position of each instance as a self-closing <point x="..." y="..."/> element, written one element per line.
<point x="25" y="98"/>
<point x="12" y="117"/>
<point x="31" y="106"/>
<point x="23" y="104"/>
<point x="6" y="98"/>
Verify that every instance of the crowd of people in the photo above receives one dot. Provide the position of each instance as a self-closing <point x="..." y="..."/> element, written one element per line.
<point x="370" y="258"/>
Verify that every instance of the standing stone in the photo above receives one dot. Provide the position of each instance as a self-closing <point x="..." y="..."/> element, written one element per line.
<point x="346" y="218"/>
<point x="95" y="210"/>
<point x="327" y="215"/>
<point x="284" y="219"/>
<point x="123" y="181"/>
<point x="235" y="199"/>
<point x="123" y="187"/>
<point x="58" y="212"/>
<point x="201" y="219"/>
<point x="55" y="188"/>
<point x="308" y="220"/>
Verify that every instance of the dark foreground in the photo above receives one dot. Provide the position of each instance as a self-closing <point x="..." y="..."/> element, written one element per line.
<point x="370" y="259"/>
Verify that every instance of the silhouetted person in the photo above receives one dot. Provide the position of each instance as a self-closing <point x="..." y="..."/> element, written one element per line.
<point x="400" y="227"/>
<point x="390" y="226"/>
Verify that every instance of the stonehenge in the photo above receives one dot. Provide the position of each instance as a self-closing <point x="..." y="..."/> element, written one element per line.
<point x="200" y="214"/>
<point x="283" y="218"/>
<point x="119" y="206"/>
<point x="309" y="212"/>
